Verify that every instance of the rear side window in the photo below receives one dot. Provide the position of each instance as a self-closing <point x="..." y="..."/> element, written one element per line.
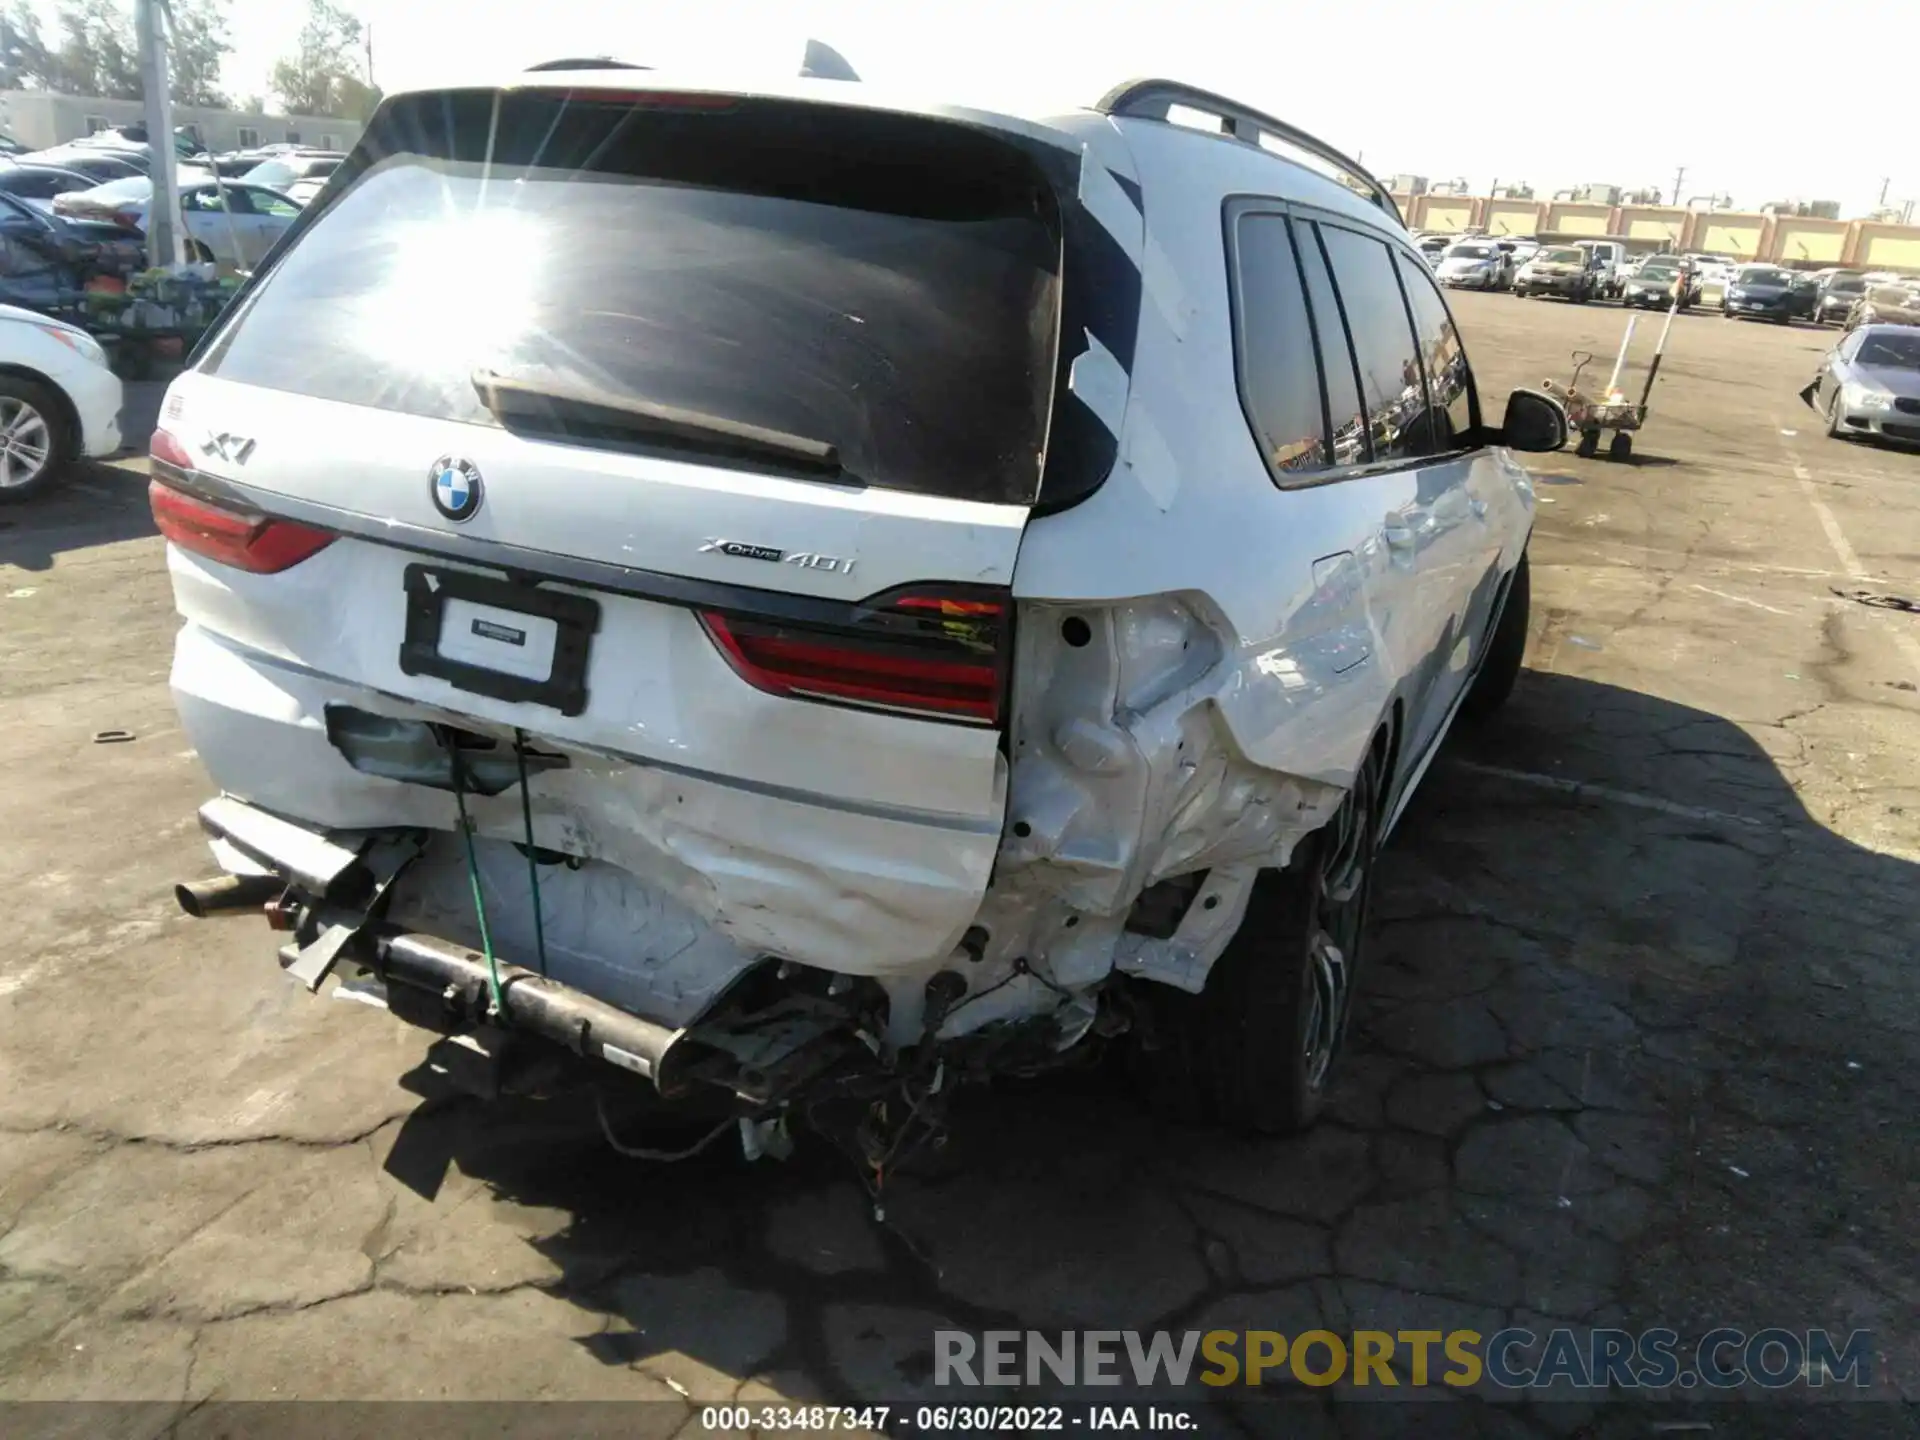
<point x="1279" y="379"/>
<point x="1383" y="345"/>
<point x="1449" y="380"/>
<point x="883" y="285"/>
<point x="1346" y="418"/>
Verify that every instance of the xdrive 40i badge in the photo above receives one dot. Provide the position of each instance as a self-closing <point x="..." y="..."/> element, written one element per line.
<point x="805" y="559"/>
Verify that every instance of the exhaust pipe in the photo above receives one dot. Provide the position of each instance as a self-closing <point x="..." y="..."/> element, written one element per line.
<point x="534" y="1003"/>
<point x="201" y="898"/>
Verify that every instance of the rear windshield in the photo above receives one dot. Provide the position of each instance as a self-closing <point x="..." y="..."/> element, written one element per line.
<point x="885" y="285"/>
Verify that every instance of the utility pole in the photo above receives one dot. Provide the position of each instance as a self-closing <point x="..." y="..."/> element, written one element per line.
<point x="1678" y="176"/>
<point x="163" y="211"/>
<point x="369" y="55"/>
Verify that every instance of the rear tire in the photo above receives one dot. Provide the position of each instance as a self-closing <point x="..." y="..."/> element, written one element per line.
<point x="1835" y="430"/>
<point x="1254" y="1050"/>
<point x="1589" y="444"/>
<point x="1506" y="647"/>
<point x="1620" y="447"/>
<point x="36" y="442"/>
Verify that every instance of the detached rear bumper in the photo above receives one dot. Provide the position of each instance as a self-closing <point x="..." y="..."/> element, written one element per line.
<point x="339" y="901"/>
<point x="754" y="870"/>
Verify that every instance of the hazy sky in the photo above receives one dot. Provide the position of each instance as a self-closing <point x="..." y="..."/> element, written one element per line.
<point x="1553" y="94"/>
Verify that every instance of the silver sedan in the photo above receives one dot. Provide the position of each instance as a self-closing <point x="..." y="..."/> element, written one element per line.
<point x="1869" y="384"/>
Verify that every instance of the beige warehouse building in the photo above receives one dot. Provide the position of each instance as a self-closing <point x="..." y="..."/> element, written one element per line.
<point x="40" y="119"/>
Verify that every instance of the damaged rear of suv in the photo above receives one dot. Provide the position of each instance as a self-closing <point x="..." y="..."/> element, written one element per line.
<point x="798" y="596"/>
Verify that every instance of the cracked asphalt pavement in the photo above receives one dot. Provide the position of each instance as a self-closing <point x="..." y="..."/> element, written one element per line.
<point x="1636" y="1043"/>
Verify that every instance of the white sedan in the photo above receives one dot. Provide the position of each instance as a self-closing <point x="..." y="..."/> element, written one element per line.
<point x="58" y="401"/>
<point x="227" y="221"/>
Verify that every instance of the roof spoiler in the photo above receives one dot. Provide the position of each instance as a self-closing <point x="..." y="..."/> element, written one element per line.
<point x="820" y="61"/>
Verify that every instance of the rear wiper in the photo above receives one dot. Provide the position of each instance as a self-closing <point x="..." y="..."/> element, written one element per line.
<point x="560" y="405"/>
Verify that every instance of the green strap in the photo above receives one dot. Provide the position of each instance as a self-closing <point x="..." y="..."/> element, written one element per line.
<point x="473" y="878"/>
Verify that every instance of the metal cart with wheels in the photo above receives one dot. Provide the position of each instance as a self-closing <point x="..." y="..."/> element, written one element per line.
<point x="1592" y="415"/>
<point x="1589" y="416"/>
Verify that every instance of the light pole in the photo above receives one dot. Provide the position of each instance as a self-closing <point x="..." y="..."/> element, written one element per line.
<point x="163" y="211"/>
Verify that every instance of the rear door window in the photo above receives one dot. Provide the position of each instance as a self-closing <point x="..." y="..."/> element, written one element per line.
<point x="881" y="284"/>
<point x="1279" y="373"/>
<point x="1347" y="418"/>
<point x="1392" y="384"/>
<point x="1449" y="380"/>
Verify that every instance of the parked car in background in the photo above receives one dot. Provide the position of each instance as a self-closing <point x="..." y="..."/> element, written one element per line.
<point x="1716" y="275"/>
<point x="47" y="261"/>
<point x="301" y="192"/>
<point x="1806" y="294"/>
<point x="41" y="182"/>
<point x="282" y="172"/>
<point x="1652" y="285"/>
<point x="101" y="165"/>
<point x="1473" y="265"/>
<point x="1894" y="304"/>
<point x="1837" y="294"/>
<point x="59" y="400"/>
<point x="133" y="138"/>
<point x="1868" y="385"/>
<point x="1432" y="247"/>
<point x="236" y="164"/>
<point x="1760" y="292"/>
<point x="1523" y="249"/>
<point x="1563" y="270"/>
<point x="227" y="221"/>
<point x="1605" y="259"/>
<point x="864" y="777"/>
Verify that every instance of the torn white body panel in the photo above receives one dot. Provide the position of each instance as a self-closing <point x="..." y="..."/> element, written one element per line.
<point x="855" y="890"/>
<point x="1124" y="777"/>
<point x="605" y="933"/>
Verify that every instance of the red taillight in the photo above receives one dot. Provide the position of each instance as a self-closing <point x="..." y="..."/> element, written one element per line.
<point x="925" y="654"/>
<point x="166" y="447"/>
<point x="233" y="537"/>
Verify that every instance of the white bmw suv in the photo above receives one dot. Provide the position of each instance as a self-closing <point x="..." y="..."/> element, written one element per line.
<point x="800" y="592"/>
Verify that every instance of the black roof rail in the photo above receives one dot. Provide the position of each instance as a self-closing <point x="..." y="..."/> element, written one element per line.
<point x="1152" y="99"/>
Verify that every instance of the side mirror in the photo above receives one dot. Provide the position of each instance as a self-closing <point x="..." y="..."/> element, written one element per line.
<point x="1533" y="422"/>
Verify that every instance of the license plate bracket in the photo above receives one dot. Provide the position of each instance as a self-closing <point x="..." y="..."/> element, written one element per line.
<point x="576" y="618"/>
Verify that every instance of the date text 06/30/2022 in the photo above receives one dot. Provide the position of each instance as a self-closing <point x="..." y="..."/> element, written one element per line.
<point x="962" y="1419"/>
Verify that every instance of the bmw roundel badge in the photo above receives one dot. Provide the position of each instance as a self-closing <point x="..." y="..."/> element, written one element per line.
<point x="456" y="488"/>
